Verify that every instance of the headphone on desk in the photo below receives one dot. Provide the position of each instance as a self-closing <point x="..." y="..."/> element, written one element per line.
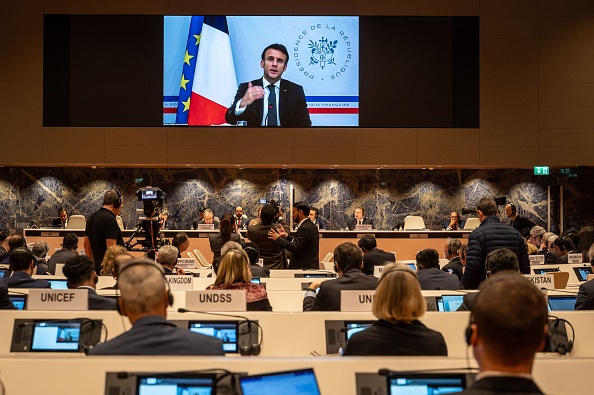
<point x="145" y="262"/>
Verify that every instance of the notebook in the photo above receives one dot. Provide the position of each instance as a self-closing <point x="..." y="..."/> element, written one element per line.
<point x="293" y="382"/>
<point x="426" y="383"/>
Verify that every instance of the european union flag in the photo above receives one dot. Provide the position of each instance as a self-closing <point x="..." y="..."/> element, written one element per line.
<point x="187" y="77"/>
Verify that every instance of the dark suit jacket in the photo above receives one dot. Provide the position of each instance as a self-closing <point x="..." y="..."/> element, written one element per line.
<point x="272" y="253"/>
<point x="304" y="246"/>
<point x="98" y="302"/>
<point x="24" y="280"/>
<point x="328" y="297"/>
<point x="60" y="256"/>
<point x="455" y="265"/>
<point x="291" y="103"/>
<point x="434" y="278"/>
<point x="216" y="243"/>
<point x="585" y="298"/>
<point x="376" y="257"/>
<point x="468" y="301"/>
<point x="57" y="223"/>
<point x="154" y="335"/>
<point x="352" y="222"/>
<point x="503" y="385"/>
<point x="259" y="271"/>
<point x="5" y="303"/>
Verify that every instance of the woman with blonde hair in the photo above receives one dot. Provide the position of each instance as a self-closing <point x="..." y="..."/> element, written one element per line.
<point x="398" y="304"/>
<point x="110" y="254"/>
<point x="234" y="273"/>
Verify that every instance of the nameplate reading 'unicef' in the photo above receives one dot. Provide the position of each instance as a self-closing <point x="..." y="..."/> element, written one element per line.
<point x="216" y="300"/>
<point x="58" y="299"/>
<point x="186" y="263"/>
<point x="180" y="283"/>
<point x="356" y="300"/>
<point x="536" y="259"/>
<point x="542" y="280"/>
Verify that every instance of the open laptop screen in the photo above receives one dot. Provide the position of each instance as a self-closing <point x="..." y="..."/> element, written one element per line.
<point x="224" y="330"/>
<point x="3" y="272"/>
<point x="52" y="336"/>
<point x="19" y="301"/>
<point x="176" y="384"/>
<point x="560" y="303"/>
<point x="294" y="382"/>
<point x="582" y="272"/>
<point x="449" y="302"/>
<point x="426" y="383"/>
<point x="59" y="284"/>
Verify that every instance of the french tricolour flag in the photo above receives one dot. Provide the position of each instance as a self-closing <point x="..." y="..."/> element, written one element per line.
<point x="215" y="82"/>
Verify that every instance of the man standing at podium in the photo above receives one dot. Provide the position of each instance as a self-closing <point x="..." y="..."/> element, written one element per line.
<point x="270" y="100"/>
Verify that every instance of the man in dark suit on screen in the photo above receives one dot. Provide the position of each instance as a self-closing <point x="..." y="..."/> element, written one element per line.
<point x="305" y="244"/>
<point x="270" y="100"/>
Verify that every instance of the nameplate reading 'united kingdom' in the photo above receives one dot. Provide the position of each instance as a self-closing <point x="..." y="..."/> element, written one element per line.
<point x="358" y="300"/>
<point x="216" y="300"/>
<point x="58" y="299"/>
<point x="180" y="283"/>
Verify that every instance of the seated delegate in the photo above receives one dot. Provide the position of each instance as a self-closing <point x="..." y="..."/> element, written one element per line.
<point x="398" y="304"/>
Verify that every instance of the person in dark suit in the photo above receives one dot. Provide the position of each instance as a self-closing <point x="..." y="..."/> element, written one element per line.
<point x="5" y="303"/>
<point x="451" y="252"/>
<point x="348" y="262"/>
<point x="241" y="220"/>
<point x="517" y="221"/>
<point x="69" y="247"/>
<point x="23" y="266"/>
<point x="272" y="253"/>
<point x="585" y="298"/>
<point x="359" y="219"/>
<point x="373" y="256"/>
<point x="314" y="216"/>
<point x="227" y="232"/>
<point x="430" y="275"/>
<point x="144" y="299"/>
<point x="80" y="273"/>
<point x="270" y="101"/>
<point x="398" y="304"/>
<point x="497" y="261"/>
<point x="167" y="257"/>
<point x="455" y="222"/>
<point x="62" y="219"/>
<point x="305" y="245"/>
<point x="495" y="316"/>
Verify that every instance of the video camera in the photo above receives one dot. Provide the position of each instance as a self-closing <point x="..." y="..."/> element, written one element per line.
<point x="152" y="199"/>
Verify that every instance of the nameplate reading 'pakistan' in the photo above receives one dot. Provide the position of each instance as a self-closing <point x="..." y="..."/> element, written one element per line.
<point x="542" y="280"/>
<point x="58" y="299"/>
<point x="356" y="300"/>
<point x="180" y="283"/>
<point x="216" y="300"/>
<point x="537" y="259"/>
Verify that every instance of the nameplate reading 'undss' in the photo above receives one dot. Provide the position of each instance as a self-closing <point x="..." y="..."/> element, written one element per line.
<point x="58" y="299"/>
<point x="542" y="280"/>
<point x="216" y="300"/>
<point x="180" y="283"/>
<point x="356" y="300"/>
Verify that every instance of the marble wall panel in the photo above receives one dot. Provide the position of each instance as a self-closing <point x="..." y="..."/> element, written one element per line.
<point x="31" y="196"/>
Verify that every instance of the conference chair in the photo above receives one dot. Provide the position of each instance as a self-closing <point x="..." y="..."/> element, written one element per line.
<point x="191" y="255"/>
<point x="329" y="257"/>
<point x="472" y="223"/>
<point x="76" y="222"/>
<point x="414" y="222"/>
<point x="201" y="260"/>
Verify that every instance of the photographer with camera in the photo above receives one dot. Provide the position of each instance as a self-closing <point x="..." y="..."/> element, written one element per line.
<point x="271" y="253"/>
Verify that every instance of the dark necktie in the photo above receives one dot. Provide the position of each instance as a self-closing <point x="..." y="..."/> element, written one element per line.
<point x="272" y="106"/>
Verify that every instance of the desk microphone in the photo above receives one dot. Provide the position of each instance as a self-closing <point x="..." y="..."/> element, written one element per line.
<point x="559" y="290"/>
<point x="388" y="372"/>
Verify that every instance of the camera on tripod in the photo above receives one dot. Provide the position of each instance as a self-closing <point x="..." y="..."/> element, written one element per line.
<point x="153" y="200"/>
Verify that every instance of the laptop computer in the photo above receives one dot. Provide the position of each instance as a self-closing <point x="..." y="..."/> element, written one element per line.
<point x="449" y="302"/>
<point x="426" y="383"/>
<point x="227" y="331"/>
<point x="292" y="382"/>
<point x="545" y="270"/>
<point x="582" y="272"/>
<point x="55" y="336"/>
<point x="561" y="303"/>
<point x="59" y="284"/>
<point x="3" y="272"/>
<point x="176" y="383"/>
<point x="19" y="301"/>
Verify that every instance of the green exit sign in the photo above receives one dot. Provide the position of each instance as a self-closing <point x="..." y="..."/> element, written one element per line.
<point x="541" y="170"/>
